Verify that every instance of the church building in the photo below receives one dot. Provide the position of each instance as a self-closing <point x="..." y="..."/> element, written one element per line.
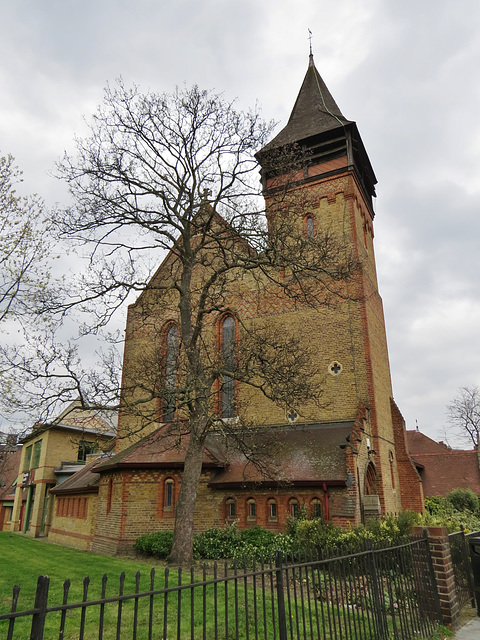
<point x="344" y="460"/>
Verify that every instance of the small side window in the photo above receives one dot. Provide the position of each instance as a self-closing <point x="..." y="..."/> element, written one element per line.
<point x="316" y="508"/>
<point x="294" y="507"/>
<point x="272" y="509"/>
<point x="230" y="507"/>
<point x="169" y="493"/>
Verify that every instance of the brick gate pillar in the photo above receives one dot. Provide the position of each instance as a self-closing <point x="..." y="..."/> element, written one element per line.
<point x="443" y="569"/>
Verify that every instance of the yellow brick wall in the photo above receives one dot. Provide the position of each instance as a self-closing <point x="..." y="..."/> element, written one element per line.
<point x="73" y="531"/>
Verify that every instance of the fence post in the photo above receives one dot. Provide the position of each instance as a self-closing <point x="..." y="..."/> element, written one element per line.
<point x="282" y="620"/>
<point x="442" y="565"/>
<point x="41" y="601"/>
<point x="377" y="600"/>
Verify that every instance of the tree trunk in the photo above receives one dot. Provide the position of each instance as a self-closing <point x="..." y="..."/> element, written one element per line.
<point x="182" y="549"/>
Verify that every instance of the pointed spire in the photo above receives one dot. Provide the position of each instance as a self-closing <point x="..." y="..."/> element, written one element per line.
<point x="314" y="112"/>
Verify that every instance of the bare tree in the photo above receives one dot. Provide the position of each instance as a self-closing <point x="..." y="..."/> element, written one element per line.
<point x="174" y="177"/>
<point x="24" y="246"/>
<point x="464" y="414"/>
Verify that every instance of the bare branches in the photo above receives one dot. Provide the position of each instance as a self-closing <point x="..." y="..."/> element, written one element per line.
<point x="25" y="246"/>
<point x="464" y="414"/>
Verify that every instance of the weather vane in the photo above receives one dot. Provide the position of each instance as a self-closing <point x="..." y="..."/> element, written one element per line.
<point x="310" y="38"/>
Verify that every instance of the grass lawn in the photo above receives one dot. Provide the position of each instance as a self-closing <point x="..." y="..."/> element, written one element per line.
<point x="173" y="616"/>
<point x="24" y="559"/>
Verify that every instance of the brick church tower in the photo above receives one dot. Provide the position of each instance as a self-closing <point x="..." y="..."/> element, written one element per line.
<point x="337" y="182"/>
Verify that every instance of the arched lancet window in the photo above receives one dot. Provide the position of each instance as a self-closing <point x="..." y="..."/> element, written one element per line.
<point x="294" y="507"/>
<point x="230" y="508"/>
<point x="171" y="358"/>
<point x="309" y="225"/>
<point x="169" y="493"/>
<point x="316" y="508"/>
<point x="228" y="363"/>
<point x="251" y="509"/>
<point x="272" y="509"/>
<point x="370" y="480"/>
<point x="109" y="495"/>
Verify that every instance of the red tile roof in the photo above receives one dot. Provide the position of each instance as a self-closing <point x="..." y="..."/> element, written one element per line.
<point x="444" y="469"/>
<point x="288" y="454"/>
<point x="299" y="456"/>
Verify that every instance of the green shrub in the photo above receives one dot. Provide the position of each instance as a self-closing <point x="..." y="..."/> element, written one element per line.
<point x="216" y="544"/>
<point x="407" y="519"/>
<point x="434" y="504"/>
<point x="463" y="500"/>
<point x="158" y="544"/>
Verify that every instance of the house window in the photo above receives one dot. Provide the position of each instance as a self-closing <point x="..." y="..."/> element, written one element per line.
<point x="37" y="447"/>
<point x="171" y="359"/>
<point x="294" y="507"/>
<point x="251" y="509"/>
<point x="168" y="494"/>
<point x="28" y="458"/>
<point x="84" y="448"/>
<point x="228" y="364"/>
<point x="231" y="510"/>
<point x="316" y="508"/>
<point x="272" y="509"/>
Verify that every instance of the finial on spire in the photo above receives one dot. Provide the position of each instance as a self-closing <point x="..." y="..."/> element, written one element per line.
<point x="311" y="53"/>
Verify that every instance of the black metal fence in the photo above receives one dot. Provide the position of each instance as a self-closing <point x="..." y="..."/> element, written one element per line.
<point x="367" y="594"/>
<point x="462" y="567"/>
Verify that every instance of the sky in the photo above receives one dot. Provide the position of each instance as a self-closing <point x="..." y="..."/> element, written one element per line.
<point x="406" y="71"/>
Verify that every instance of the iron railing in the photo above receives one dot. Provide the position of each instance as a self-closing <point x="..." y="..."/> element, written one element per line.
<point x="462" y="567"/>
<point x="371" y="593"/>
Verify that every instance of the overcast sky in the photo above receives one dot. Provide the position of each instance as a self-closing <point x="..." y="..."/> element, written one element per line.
<point x="407" y="71"/>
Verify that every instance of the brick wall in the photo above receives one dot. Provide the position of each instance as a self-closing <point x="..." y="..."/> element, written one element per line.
<point x="74" y="520"/>
<point x="409" y="480"/>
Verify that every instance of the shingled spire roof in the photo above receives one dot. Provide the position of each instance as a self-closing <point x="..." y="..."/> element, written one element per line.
<point x="314" y="112"/>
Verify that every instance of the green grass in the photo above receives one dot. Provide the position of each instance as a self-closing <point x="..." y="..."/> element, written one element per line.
<point x="24" y="559"/>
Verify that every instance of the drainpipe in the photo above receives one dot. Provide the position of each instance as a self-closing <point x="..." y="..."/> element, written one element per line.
<point x="327" y="510"/>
